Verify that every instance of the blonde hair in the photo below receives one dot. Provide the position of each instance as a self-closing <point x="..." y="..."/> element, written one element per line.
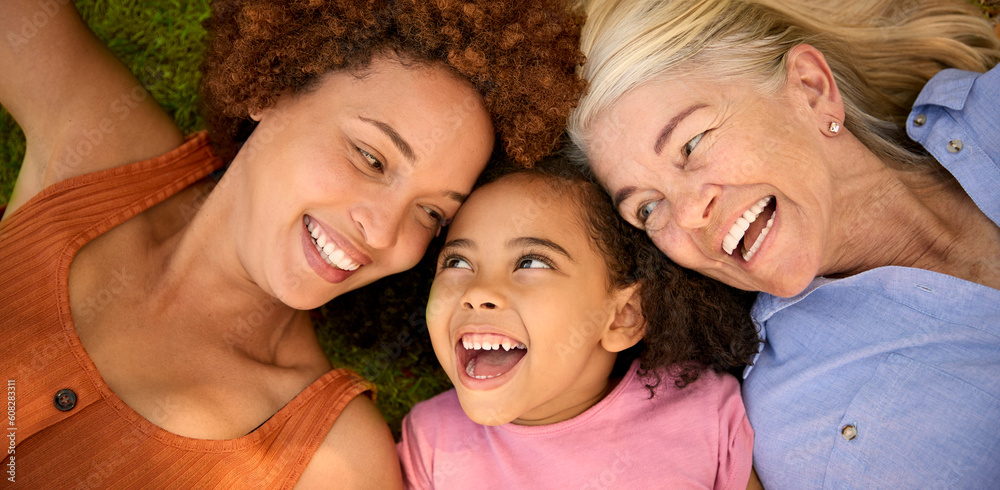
<point x="881" y="52"/>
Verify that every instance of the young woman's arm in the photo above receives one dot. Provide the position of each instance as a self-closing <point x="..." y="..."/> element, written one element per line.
<point x="81" y="109"/>
<point x="358" y="452"/>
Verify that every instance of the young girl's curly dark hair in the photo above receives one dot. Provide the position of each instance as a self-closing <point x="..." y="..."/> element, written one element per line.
<point x="520" y="55"/>
<point x="692" y="321"/>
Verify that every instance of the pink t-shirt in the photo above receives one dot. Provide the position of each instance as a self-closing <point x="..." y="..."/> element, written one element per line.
<point x="695" y="437"/>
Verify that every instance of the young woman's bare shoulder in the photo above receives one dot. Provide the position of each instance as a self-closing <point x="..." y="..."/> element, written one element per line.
<point x="358" y="452"/>
<point x="80" y="108"/>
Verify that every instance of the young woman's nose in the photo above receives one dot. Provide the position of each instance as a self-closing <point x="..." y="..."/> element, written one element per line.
<point x="380" y="223"/>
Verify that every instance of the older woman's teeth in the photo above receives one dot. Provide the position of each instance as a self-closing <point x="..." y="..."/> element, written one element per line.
<point x="742" y="224"/>
<point x="760" y="239"/>
<point x="330" y="253"/>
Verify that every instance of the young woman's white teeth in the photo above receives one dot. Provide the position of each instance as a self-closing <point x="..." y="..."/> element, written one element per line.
<point x="328" y="250"/>
<point x="466" y="344"/>
<point x="346" y="263"/>
<point x="336" y="255"/>
<point x="321" y="241"/>
<point x="506" y="344"/>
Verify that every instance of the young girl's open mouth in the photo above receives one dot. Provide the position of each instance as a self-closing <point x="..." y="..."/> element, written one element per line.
<point x="483" y="356"/>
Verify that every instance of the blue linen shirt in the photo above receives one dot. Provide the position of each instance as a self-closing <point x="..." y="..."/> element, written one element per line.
<point x="891" y="378"/>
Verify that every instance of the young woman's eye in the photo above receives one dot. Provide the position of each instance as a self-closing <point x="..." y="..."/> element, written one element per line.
<point x="533" y="262"/>
<point x="454" y="262"/>
<point x="690" y="145"/>
<point x="373" y="162"/>
<point x="646" y="210"/>
<point x="435" y="215"/>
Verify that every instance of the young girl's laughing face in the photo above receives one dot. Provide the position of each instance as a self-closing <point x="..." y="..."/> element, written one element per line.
<point x="521" y="313"/>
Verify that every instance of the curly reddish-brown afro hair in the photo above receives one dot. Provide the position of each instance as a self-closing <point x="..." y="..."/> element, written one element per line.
<point x="520" y="55"/>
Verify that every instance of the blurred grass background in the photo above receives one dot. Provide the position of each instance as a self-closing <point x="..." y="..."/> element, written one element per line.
<point x="378" y="331"/>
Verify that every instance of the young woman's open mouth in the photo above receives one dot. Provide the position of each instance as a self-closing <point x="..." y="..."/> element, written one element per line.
<point x="484" y="359"/>
<point x="326" y="258"/>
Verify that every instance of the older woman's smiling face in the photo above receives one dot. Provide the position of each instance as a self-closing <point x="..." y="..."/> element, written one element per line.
<point x="726" y="181"/>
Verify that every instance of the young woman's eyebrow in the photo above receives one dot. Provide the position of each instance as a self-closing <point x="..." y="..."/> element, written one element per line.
<point x="540" y="242"/>
<point x="393" y="135"/>
<point x="455" y="196"/>
<point x="672" y="124"/>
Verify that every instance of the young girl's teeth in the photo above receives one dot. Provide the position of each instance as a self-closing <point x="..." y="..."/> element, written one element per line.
<point x="742" y="224"/>
<point x="471" y="342"/>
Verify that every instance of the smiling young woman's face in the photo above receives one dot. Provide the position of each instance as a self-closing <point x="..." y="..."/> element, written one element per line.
<point x="728" y="182"/>
<point x="348" y="182"/>
<point x="520" y="304"/>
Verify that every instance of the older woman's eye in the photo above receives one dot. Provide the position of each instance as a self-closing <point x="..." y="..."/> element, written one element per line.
<point x="689" y="147"/>
<point x="646" y="210"/>
<point x="373" y="162"/>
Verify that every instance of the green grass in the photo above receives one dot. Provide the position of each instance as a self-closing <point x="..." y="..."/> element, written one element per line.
<point x="377" y="331"/>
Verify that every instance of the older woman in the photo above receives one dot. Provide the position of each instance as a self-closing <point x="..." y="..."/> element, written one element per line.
<point x="771" y="146"/>
<point x="154" y="321"/>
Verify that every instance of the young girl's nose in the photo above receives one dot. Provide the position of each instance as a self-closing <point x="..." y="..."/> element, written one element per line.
<point x="486" y="306"/>
<point x="483" y="293"/>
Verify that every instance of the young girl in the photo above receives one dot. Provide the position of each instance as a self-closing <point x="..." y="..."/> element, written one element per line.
<point x="577" y="351"/>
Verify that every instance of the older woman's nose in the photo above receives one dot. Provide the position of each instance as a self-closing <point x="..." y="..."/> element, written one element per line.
<point x="692" y="209"/>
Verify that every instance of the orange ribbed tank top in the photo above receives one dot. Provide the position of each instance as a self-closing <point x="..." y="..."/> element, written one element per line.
<point x="100" y="442"/>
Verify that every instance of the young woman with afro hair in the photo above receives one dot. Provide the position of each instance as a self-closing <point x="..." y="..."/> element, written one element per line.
<point x="155" y="316"/>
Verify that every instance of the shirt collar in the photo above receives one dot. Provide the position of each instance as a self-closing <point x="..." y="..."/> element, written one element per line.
<point x="949" y="88"/>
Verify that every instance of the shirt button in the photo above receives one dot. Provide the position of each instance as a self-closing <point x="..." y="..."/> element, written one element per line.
<point x="955" y="146"/>
<point x="849" y="432"/>
<point x="65" y="400"/>
<point x="919" y="120"/>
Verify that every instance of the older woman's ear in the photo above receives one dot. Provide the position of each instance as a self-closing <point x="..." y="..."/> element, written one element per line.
<point x="809" y="73"/>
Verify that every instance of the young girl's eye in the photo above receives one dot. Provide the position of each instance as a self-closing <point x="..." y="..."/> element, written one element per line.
<point x="646" y="210"/>
<point x="533" y="262"/>
<point x="454" y="262"/>
<point x="690" y="145"/>
<point x="373" y="162"/>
